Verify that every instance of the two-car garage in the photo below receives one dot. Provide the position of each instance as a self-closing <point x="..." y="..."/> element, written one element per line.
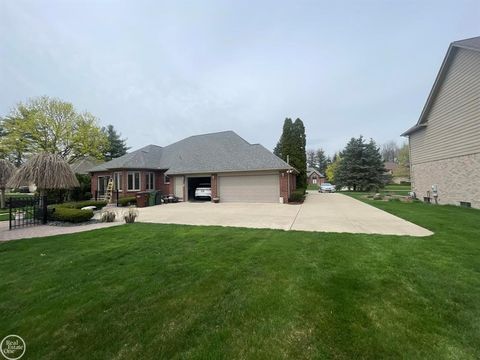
<point x="264" y="188"/>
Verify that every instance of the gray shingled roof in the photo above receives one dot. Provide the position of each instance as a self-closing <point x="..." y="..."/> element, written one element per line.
<point x="83" y="165"/>
<point x="311" y="170"/>
<point x="217" y="152"/>
<point x="470" y="44"/>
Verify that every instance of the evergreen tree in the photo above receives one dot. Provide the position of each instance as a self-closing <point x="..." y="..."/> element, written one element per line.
<point x="361" y="167"/>
<point x="284" y="145"/>
<point x="116" y="146"/>
<point x="299" y="158"/>
<point x="291" y="148"/>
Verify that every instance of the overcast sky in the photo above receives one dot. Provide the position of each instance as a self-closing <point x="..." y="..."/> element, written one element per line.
<point x="160" y="71"/>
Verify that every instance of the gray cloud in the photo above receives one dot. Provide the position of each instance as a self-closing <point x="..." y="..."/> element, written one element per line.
<point x="160" y="71"/>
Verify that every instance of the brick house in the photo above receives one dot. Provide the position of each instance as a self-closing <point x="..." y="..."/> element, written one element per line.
<point x="445" y="142"/>
<point x="236" y="170"/>
<point x="314" y="177"/>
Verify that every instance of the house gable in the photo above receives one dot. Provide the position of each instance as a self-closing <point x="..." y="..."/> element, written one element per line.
<point x="449" y="125"/>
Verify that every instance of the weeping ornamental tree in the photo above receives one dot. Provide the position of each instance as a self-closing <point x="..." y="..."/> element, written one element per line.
<point x="6" y="172"/>
<point x="47" y="171"/>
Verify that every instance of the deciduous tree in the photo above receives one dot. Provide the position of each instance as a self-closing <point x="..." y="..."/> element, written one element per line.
<point x="311" y="158"/>
<point x="332" y="169"/>
<point x="321" y="160"/>
<point x="390" y="151"/>
<point x="53" y="126"/>
<point x="403" y="169"/>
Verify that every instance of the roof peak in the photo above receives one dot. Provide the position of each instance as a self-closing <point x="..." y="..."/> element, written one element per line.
<point x="211" y="133"/>
<point x="472" y="43"/>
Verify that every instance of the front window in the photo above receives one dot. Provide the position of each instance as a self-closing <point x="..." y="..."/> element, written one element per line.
<point x="166" y="179"/>
<point x="117" y="181"/>
<point x="133" y="181"/>
<point x="150" y="181"/>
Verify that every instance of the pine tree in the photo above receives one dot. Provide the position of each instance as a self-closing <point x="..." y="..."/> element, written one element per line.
<point x="361" y="167"/>
<point x="116" y="146"/>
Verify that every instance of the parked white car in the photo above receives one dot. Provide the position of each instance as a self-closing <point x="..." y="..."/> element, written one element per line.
<point x="327" y="187"/>
<point x="203" y="191"/>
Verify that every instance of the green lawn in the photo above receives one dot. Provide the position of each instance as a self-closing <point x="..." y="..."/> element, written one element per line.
<point x="396" y="189"/>
<point x="3" y="215"/>
<point x="146" y="291"/>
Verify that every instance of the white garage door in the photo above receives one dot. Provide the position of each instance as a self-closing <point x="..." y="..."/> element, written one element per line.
<point x="249" y="188"/>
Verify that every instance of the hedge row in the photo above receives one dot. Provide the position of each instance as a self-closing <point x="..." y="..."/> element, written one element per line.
<point x="71" y="212"/>
<point x="70" y="215"/>
<point x="80" y="204"/>
<point x="297" y="195"/>
<point x="127" y="201"/>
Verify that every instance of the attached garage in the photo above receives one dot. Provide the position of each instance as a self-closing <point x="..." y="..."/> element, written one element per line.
<point x="264" y="188"/>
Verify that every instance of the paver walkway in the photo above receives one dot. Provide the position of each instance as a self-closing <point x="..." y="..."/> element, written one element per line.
<point x="48" y="230"/>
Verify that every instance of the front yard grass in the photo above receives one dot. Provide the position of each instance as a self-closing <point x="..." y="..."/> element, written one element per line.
<point x="4" y="215"/>
<point x="154" y="291"/>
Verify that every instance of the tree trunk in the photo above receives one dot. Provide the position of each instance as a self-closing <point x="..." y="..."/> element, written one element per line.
<point x="2" y="199"/>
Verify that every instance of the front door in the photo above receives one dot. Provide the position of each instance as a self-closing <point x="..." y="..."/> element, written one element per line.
<point x="102" y="184"/>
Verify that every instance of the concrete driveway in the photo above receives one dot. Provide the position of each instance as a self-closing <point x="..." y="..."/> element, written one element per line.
<point x="319" y="212"/>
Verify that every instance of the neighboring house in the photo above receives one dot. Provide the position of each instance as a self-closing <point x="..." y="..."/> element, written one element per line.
<point x="236" y="170"/>
<point x="391" y="169"/>
<point x="445" y="142"/>
<point x="83" y="165"/>
<point x="314" y="177"/>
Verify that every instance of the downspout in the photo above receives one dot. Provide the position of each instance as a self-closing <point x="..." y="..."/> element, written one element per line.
<point x="288" y="179"/>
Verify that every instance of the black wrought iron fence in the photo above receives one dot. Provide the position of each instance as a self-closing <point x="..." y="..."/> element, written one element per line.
<point x="27" y="211"/>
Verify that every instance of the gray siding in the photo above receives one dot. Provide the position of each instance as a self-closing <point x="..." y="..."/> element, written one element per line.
<point x="453" y="122"/>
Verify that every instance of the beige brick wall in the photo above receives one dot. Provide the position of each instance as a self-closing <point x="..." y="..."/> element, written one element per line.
<point x="457" y="179"/>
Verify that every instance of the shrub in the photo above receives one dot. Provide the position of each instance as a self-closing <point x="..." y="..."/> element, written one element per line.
<point x="108" y="216"/>
<point x="80" y="204"/>
<point x="70" y="215"/>
<point x="83" y="191"/>
<point x="297" y="196"/>
<point x="127" y="201"/>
